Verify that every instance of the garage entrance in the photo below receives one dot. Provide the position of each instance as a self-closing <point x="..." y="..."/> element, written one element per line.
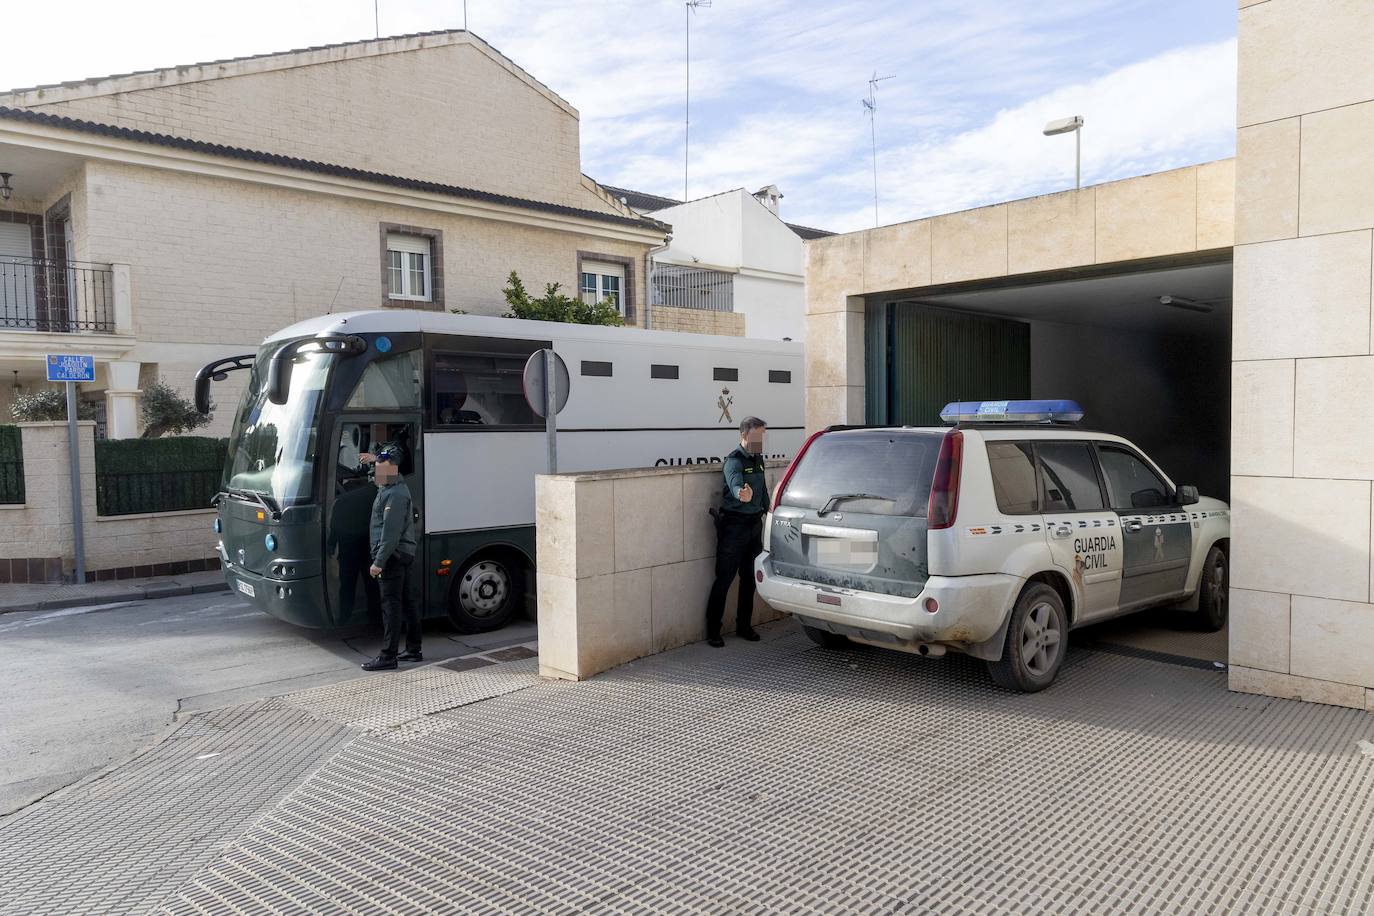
<point x="1145" y="351"/>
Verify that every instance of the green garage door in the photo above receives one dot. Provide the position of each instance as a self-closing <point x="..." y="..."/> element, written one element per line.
<point x="920" y="358"/>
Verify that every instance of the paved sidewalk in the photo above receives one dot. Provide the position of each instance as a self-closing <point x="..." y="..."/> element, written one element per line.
<point x="18" y="597"/>
<point x="769" y="777"/>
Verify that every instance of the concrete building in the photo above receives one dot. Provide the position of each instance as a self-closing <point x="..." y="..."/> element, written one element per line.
<point x="164" y="218"/>
<point x="732" y="266"/>
<point x="1220" y="315"/>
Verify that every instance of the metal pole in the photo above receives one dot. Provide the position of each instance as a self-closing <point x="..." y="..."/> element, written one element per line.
<point x="74" y="453"/>
<point x="1077" y="159"/>
<point x="873" y="129"/>
<point x="551" y="408"/>
<point x="687" y="107"/>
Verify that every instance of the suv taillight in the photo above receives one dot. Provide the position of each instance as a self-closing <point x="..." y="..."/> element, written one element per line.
<point x="944" y="489"/>
<point x="777" y="496"/>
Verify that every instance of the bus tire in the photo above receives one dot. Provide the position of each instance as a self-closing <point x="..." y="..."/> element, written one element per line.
<point x="487" y="592"/>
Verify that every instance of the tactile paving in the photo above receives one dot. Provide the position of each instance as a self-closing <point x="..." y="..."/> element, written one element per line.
<point x="121" y="842"/>
<point x="778" y="777"/>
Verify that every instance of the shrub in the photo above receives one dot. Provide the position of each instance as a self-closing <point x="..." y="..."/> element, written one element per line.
<point x="166" y="411"/>
<point x="48" y="405"/>
<point x="554" y="306"/>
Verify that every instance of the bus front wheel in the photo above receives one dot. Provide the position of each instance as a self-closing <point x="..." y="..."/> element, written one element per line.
<point x="486" y="593"/>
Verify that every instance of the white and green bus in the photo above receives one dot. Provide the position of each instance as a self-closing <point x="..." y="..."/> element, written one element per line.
<point x="293" y="506"/>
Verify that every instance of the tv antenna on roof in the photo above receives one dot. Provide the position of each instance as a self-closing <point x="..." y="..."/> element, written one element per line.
<point x="692" y="7"/>
<point x="871" y="109"/>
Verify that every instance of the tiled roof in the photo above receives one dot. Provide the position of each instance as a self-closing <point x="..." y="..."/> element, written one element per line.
<point x="639" y="200"/>
<point x="322" y="168"/>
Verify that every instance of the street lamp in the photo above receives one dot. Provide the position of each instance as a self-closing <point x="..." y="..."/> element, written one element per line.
<point x="1074" y="126"/>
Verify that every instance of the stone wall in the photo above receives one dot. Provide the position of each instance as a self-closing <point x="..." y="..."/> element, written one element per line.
<point x="1178" y="212"/>
<point x="696" y="321"/>
<point x="1302" y="620"/>
<point x="36" y="539"/>
<point x="626" y="559"/>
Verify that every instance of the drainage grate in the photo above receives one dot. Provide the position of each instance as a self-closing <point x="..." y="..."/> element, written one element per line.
<point x="778" y="777"/>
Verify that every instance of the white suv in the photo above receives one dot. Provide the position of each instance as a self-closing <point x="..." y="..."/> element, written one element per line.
<point x="994" y="537"/>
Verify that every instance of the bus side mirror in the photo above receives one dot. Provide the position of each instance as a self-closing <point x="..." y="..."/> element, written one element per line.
<point x="1187" y="496"/>
<point x="279" y="366"/>
<point x="217" y="371"/>
<point x="279" y="376"/>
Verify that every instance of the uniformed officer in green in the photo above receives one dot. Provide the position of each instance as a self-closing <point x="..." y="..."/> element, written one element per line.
<point x="739" y="532"/>
<point x="391" y="537"/>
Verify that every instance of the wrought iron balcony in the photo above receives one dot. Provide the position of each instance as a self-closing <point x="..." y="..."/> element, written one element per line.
<point x="46" y="294"/>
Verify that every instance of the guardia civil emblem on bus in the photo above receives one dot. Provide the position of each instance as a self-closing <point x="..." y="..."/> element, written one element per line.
<point x="447" y="389"/>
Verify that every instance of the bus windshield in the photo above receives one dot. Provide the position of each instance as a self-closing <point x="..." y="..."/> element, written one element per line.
<point x="272" y="448"/>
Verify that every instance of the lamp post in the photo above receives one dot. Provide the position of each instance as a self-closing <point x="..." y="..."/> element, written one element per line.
<point x="1074" y="126"/>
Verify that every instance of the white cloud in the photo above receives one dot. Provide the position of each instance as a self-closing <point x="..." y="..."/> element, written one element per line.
<point x="1174" y="109"/>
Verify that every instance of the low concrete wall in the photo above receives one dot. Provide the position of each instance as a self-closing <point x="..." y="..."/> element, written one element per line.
<point x="626" y="560"/>
<point x="36" y="543"/>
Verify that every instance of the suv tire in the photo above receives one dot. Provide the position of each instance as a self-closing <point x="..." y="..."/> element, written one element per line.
<point x="1213" y="599"/>
<point x="1037" y="638"/>
<point x="824" y="638"/>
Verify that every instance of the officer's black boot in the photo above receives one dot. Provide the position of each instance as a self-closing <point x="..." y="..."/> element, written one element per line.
<point x="714" y="641"/>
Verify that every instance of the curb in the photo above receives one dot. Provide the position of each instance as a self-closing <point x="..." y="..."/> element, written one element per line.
<point x="146" y="594"/>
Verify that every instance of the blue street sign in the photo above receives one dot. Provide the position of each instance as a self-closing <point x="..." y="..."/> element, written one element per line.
<point x="65" y="367"/>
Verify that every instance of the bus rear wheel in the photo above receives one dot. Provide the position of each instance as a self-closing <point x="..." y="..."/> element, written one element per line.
<point x="486" y="593"/>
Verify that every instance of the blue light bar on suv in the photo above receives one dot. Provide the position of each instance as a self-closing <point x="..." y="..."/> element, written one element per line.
<point x="1012" y="412"/>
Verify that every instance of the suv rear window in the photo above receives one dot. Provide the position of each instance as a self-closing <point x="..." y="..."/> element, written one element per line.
<point x="896" y="467"/>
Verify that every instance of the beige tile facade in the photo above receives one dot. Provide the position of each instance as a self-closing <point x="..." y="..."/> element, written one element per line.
<point x="637" y="580"/>
<point x="1179" y="212"/>
<point x="1302" y="346"/>
<point x="697" y="321"/>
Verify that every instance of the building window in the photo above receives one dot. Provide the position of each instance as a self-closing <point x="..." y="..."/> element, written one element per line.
<point x="412" y="266"/>
<point x="409" y="267"/>
<point x="602" y="283"/>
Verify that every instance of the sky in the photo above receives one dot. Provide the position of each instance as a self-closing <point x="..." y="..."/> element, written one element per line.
<point x="776" y="85"/>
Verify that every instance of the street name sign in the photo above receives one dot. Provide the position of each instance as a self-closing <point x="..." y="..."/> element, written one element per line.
<point x="67" y="367"/>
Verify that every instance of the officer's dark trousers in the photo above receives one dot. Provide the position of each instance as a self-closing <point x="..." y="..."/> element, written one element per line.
<point x="739" y="539"/>
<point x="400" y="605"/>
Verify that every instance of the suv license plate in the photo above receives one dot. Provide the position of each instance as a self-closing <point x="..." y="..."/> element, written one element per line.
<point x="246" y="589"/>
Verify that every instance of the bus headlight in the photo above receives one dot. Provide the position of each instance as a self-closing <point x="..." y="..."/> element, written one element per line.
<point x="271" y="542"/>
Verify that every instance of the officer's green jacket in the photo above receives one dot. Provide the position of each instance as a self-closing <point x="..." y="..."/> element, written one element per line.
<point x="393" y="523"/>
<point x="741" y="468"/>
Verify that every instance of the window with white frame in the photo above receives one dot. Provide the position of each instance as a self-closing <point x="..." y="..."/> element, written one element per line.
<point x="601" y="281"/>
<point x="409" y="267"/>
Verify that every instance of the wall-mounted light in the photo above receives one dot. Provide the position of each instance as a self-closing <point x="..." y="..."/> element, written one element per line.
<point x="1191" y="305"/>
<point x="5" y="189"/>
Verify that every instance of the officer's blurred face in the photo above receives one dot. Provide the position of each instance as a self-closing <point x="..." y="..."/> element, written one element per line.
<point x="386" y="472"/>
<point x="753" y="440"/>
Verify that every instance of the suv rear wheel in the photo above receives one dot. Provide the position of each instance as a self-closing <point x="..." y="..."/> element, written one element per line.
<point x="1212" y="599"/>
<point x="1037" y="637"/>
<point x="825" y="639"/>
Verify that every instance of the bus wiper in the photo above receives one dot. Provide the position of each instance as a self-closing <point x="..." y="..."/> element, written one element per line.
<point x="841" y="497"/>
<point x="262" y="499"/>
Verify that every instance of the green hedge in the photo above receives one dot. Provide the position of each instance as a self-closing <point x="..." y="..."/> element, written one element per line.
<point x="133" y="476"/>
<point x="11" y="466"/>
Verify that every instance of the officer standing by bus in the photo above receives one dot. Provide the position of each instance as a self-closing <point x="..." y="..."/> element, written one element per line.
<point x="739" y="532"/>
<point x="392" y="540"/>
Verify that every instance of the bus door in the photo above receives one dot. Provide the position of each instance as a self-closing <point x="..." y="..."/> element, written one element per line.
<point x="352" y="591"/>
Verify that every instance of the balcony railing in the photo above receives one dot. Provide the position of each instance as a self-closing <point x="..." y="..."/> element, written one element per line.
<point x="681" y="287"/>
<point x="45" y="294"/>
